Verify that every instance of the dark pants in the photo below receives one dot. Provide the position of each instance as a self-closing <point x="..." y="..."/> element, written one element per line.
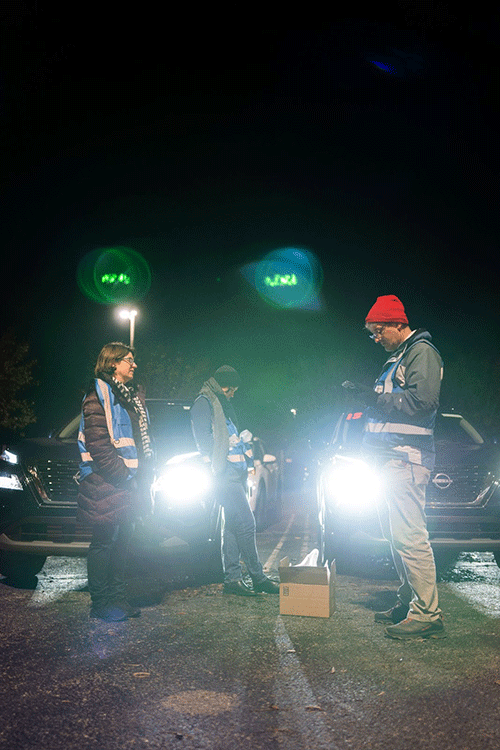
<point x="106" y="562"/>
<point x="239" y="528"/>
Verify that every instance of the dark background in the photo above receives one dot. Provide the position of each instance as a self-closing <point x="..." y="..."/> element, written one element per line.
<point x="203" y="138"/>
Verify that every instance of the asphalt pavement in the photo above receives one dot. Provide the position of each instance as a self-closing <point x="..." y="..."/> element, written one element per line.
<point x="200" y="669"/>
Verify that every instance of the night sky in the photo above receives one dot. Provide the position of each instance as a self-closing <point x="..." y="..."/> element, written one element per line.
<point x="208" y="138"/>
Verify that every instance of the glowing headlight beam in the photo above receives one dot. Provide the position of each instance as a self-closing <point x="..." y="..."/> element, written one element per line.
<point x="354" y="485"/>
<point x="184" y="484"/>
<point x="9" y="481"/>
<point x="8" y="456"/>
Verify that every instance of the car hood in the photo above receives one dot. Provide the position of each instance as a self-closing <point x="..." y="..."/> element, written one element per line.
<point x="29" y="449"/>
<point x="450" y="453"/>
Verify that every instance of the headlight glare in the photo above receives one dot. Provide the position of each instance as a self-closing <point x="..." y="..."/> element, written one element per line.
<point x="184" y="484"/>
<point x="8" y="456"/>
<point x="354" y="485"/>
<point x="9" y="481"/>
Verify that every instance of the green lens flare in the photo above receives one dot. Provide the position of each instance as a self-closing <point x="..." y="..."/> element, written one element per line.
<point x="289" y="278"/>
<point x="114" y="275"/>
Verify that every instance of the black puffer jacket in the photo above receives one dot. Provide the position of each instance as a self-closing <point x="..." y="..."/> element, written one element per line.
<point x="106" y="495"/>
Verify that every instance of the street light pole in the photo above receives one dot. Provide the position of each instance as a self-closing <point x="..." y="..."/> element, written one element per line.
<point x="133" y="313"/>
<point x="125" y="314"/>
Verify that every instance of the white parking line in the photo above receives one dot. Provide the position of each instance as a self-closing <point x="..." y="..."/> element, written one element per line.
<point x="274" y="554"/>
<point x="300" y="720"/>
<point x="301" y="724"/>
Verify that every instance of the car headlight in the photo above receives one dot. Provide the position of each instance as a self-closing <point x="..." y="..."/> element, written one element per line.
<point x="8" y="456"/>
<point x="353" y="484"/>
<point x="9" y="481"/>
<point x="184" y="484"/>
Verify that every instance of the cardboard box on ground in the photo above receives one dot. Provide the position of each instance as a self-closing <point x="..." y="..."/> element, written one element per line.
<point x="307" y="589"/>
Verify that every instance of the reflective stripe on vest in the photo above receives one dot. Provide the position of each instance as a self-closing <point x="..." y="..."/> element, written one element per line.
<point x="107" y="409"/>
<point x="404" y="429"/>
<point x="236" y="458"/>
<point x="127" y="444"/>
<point x="393" y="436"/>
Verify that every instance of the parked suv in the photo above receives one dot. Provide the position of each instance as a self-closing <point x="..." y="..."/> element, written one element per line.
<point x="38" y="495"/>
<point x="265" y="486"/>
<point x="38" y="498"/>
<point x="462" y="499"/>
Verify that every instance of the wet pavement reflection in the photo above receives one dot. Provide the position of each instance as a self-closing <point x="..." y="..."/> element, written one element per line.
<point x="475" y="577"/>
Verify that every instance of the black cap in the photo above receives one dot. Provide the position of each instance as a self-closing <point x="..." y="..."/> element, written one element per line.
<point x="227" y="377"/>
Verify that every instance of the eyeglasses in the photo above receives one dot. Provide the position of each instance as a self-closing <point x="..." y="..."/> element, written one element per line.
<point x="378" y="331"/>
<point x="127" y="359"/>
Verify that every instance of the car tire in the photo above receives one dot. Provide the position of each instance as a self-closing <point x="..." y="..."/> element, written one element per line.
<point x="330" y="544"/>
<point x="207" y="568"/>
<point x="261" y="510"/>
<point x="206" y="564"/>
<point x="20" y="567"/>
<point x="279" y="503"/>
<point x="332" y="548"/>
<point x="445" y="562"/>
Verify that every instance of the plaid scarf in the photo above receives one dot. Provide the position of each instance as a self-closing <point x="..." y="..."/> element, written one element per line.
<point x="133" y="399"/>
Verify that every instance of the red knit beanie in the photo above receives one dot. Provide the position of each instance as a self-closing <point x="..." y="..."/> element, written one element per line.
<point x="387" y="309"/>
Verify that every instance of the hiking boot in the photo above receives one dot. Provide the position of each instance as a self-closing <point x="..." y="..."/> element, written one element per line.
<point x="414" y="629"/>
<point x="392" y="616"/>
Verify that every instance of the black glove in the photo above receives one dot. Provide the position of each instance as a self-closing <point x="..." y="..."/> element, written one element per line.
<point x="362" y="393"/>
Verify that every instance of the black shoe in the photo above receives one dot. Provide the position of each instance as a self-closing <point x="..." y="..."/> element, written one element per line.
<point x="124" y="606"/>
<point x="108" y="613"/>
<point x="267" y="586"/>
<point x="239" y="588"/>
<point x="392" y="616"/>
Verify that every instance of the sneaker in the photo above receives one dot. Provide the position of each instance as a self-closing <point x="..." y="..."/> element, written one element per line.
<point x="392" y="616"/>
<point x="414" y="629"/>
<point x="266" y="586"/>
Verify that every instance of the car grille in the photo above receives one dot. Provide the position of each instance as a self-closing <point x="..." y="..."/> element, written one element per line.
<point x="53" y="480"/>
<point x="61" y="531"/>
<point x="462" y="486"/>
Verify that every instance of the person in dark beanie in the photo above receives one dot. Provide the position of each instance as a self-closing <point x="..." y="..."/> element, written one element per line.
<point x="216" y="432"/>
<point x="399" y="433"/>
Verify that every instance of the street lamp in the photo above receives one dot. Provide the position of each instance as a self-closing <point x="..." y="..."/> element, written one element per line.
<point x="125" y="314"/>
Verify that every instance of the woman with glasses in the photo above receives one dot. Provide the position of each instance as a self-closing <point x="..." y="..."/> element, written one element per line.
<point x="114" y="476"/>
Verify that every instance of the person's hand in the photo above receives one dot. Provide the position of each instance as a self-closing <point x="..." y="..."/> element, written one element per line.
<point x="360" y="392"/>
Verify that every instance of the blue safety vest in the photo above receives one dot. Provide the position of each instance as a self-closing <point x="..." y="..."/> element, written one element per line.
<point x="411" y="440"/>
<point x="119" y="428"/>
<point x="240" y="455"/>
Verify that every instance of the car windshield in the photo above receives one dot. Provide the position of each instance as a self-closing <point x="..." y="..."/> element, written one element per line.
<point x="456" y="429"/>
<point x="170" y="428"/>
<point x="349" y="430"/>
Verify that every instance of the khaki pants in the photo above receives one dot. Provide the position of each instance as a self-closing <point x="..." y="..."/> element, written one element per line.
<point x="405" y="527"/>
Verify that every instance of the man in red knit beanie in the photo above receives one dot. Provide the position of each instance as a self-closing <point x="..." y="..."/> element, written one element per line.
<point x="399" y="432"/>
